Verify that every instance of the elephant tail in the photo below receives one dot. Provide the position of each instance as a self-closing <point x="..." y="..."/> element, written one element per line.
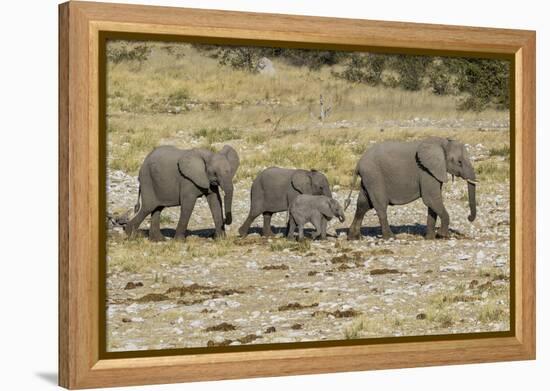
<point x="353" y="182"/>
<point x="138" y="204"/>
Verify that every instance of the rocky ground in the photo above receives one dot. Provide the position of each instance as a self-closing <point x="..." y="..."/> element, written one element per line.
<point x="255" y="290"/>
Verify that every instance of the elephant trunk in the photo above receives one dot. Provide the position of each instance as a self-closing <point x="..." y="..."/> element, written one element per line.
<point x="470" y="176"/>
<point x="472" y="200"/>
<point x="227" y="187"/>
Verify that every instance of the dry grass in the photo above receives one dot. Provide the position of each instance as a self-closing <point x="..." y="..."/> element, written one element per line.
<point x="181" y="97"/>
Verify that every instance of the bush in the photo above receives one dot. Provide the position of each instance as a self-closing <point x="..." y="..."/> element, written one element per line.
<point x="364" y="68"/>
<point x="411" y="70"/>
<point x="486" y="82"/>
<point x="440" y="78"/>
<point x="244" y="58"/>
<point x="139" y="52"/>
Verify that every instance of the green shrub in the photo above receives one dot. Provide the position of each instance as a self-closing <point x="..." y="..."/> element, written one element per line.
<point x="485" y="81"/>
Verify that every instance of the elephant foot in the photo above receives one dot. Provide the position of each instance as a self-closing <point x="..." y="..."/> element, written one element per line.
<point x="130" y="231"/>
<point x="219" y="235"/>
<point x="267" y="234"/>
<point x="443" y="235"/>
<point x="243" y="231"/>
<point x="157" y="238"/>
<point x="353" y="236"/>
<point x="388" y="236"/>
<point x="179" y="236"/>
<point x="430" y="236"/>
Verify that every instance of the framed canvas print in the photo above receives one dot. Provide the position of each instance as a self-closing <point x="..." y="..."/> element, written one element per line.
<point x="248" y="195"/>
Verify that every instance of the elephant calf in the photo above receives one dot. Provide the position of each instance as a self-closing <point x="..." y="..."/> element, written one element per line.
<point x="176" y="177"/>
<point x="396" y="173"/>
<point x="275" y="188"/>
<point x="314" y="209"/>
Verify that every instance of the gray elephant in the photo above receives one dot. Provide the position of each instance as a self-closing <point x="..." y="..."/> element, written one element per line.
<point x="396" y="173"/>
<point x="314" y="209"/>
<point x="174" y="177"/>
<point x="275" y="188"/>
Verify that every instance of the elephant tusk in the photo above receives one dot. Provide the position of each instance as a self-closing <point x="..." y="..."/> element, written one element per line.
<point x="472" y="181"/>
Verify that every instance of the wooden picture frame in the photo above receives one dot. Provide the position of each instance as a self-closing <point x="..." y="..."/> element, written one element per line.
<point x="81" y="24"/>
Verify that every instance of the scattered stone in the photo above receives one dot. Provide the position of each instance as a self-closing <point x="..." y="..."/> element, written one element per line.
<point x="225" y="342"/>
<point x="270" y="329"/>
<point x="377" y="272"/>
<point x="337" y="314"/>
<point x="126" y="320"/>
<point x="296" y="306"/>
<point x="152" y="297"/>
<point x="248" y="338"/>
<point x="296" y="326"/>
<point x="133" y="285"/>
<point x="276" y="267"/>
<point x="421" y="316"/>
<point x="224" y="326"/>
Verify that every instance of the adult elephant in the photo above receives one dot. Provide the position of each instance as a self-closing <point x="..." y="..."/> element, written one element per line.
<point x="174" y="177"/>
<point x="275" y="188"/>
<point x="396" y="173"/>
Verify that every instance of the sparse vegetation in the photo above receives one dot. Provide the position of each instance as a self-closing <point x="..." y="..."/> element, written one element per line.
<point x="186" y="96"/>
<point x="217" y="135"/>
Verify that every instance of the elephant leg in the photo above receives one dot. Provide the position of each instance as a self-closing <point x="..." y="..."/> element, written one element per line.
<point x="435" y="203"/>
<point x="267" y="224"/>
<point x="154" y="230"/>
<point x="380" y="203"/>
<point x="323" y="228"/>
<point x="316" y="221"/>
<point x="243" y="230"/>
<point x="300" y="232"/>
<point x="132" y="226"/>
<point x="363" y="205"/>
<point x="186" y="208"/>
<point x="383" y="218"/>
<point x="291" y="228"/>
<point x="214" y="202"/>
<point x="430" y="224"/>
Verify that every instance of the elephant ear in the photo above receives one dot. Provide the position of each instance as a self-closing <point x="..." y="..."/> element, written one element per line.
<point x="432" y="157"/>
<point x="232" y="157"/>
<point x="301" y="181"/>
<point x="326" y="208"/>
<point x="192" y="166"/>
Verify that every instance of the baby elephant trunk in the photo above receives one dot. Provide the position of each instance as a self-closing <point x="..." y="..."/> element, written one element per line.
<point x="227" y="187"/>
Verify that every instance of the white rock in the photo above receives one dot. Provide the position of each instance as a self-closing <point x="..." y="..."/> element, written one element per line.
<point x="195" y="323"/>
<point x="252" y="265"/>
<point x="137" y="320"/>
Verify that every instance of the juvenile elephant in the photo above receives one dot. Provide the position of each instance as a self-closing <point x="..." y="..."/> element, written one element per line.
<point x="174" y="177"/>
<point x="275" y="188"/>
<point x="314" y="209"/>
<point x="396" y="173"/>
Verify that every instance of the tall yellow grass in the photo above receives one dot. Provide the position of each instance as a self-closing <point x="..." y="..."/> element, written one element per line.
<point x="189" y="100"/>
